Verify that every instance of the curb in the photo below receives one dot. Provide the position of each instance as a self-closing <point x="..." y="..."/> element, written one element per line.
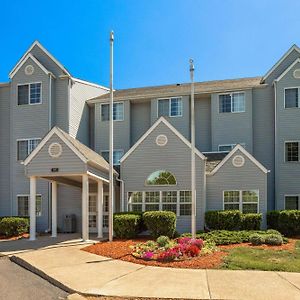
<point x="29" y="267"/>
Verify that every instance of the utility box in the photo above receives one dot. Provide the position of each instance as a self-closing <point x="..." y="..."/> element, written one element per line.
<point x="69" y="223"/>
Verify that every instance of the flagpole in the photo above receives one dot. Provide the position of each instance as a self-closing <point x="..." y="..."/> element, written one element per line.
<point x="111" y="143"/>
<point x="193" y="171"/>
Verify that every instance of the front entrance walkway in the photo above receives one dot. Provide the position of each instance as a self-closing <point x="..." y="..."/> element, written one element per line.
<point x="87" y="273"/>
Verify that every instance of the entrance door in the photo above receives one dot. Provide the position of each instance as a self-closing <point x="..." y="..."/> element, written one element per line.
<point x="93" y="213"/>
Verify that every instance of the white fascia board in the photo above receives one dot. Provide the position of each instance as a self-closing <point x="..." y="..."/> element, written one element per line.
<point x="37" y="43"/>
<point x="294" y="47"/>
<point x="90" y="83"/>
<point x="288" y="69"/>
<point x="53" y="131"/>
<point x="173" y="129"/>
<point x="246" y="153"/>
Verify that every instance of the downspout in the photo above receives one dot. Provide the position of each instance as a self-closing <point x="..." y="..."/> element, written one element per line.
<point x="121" y="193"/>
<point x="275" y="141"/>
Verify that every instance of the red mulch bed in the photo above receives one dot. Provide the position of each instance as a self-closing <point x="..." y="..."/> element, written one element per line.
<point x="120" y="249"/>
<point x="13" y="238"/>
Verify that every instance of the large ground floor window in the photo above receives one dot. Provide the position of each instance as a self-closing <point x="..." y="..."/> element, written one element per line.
<point x="180" y="202"/>
<point x="291" y="202"/>
<point x="23" y="205"/>
<point x="245" y="201"/>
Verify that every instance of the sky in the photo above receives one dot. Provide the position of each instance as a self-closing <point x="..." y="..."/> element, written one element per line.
<point x="154" y="39"/>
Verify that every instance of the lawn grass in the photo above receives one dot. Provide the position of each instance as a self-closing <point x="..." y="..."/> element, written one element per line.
<point x="244" y="258"/>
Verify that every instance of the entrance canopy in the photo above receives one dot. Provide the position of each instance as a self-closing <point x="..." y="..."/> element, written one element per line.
<point x="62" y="159"/>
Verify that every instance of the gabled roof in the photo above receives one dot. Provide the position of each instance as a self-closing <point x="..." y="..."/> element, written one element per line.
<point x="213" y="159"/>
<point x="288" y="69"/>
<point x="86" y="154"/>
<point x="245" y="152"/>
<point x="294" y="47"/>
<point x="216" y="86"/>
<point x="172" y="128"/>
<point x="29" y="56"/>
<point x="37" y="43"/>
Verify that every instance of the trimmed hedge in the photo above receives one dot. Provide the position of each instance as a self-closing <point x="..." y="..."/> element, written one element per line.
<point x="285" y="221"/>
<point x="232" y="220"/>
<point x="13" y="226"/>
<point x="127" y="225"/>
<point x="160" y="223"/>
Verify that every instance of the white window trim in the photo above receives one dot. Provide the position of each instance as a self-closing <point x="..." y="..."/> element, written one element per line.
<point x="288" y="88"/>
<point x="284" y="152"/>
<point x="28" y="195"/>
<point x="20" y="84"/>
<point x="291" y="195"/>
<point x="121" y="150"/>
<point x="169" y="98"/>
<point x="143" y="203"/>
<point x="107" y="103"/>
<point x="231" y="93"/>
<point x="241" y="198"/>
<point x="26" y="139"/>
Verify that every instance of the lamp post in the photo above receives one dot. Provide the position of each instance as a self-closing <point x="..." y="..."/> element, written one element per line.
<point x="111" y="143"/>
<point x="193" y="171"/>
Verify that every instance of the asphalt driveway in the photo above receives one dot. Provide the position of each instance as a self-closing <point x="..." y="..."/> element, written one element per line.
<point x="17" y="283"/>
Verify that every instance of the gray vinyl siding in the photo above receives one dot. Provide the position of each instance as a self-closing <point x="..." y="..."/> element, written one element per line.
<point x="79" y="114"/>
<point x="203" y="123"/>
<point x="175" y="158"/>
<point x="67" y="163"/>
<point x="62" y="98"/>
<point x="283" y="66"/>
<point x="263" y="134"/>
<point x="121" y="130"/>
<point x="28" y="121"/>
<point x="182" y="124"/>
<point x="228" y="177"/>
<point x="287" y="129"/>
<point x="231" y="128"/>
<point x="140" y="116"/>
<point x="5" y="204"/>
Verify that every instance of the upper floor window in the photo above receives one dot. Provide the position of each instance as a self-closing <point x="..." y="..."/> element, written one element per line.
<point x="29" y="93"/>
<point x="292" y="151"/>
<point x="118" y="111"/>
<point x="161" y="177"/>
<point x="25" y="147"/>
<point x="232" y="102"/>
<point x="291" y="97"/>
<point x="229" y="147"/>
<point x="116" y="156"/>
<point x="170" y="107"/>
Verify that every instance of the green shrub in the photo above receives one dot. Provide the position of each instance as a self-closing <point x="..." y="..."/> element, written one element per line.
<point x="160" y="223"/>
<point x="13" y="226"/>
<point x="272" y="219"/>
<point x="223" y="219"/>
<point x="251" y="221"/>
<point x="162" y="241"/>
<point x="142" y="226"/>
<point x="274" y="239"/>
<point x="257" y="239"/>
<point x="127" y="225"/>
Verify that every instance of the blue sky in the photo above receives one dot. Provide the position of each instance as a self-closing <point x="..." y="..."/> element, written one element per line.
<point x="154" y="39"/>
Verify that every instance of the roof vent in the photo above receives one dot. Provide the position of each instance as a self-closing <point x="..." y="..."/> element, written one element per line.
<point x="297" y="74"/>
<point x="55" y="150"/>
<point x="238" y="161"/>
<point x="161" y="140"/>
<point x="178" y="84"/>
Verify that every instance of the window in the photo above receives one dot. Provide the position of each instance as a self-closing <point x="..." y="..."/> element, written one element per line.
<point x="233" y="102"/>
<point x="25" y="147"/>
<point x="170" y="107"/>
<point x="178" y="202"/>
<point x="291" y="202"/>
<point x="161" y="177"/>
<point x="29" y="93"/>
<point x="118" y="111"/>
<point x="229" y="147"/>
<point x="245" y="201"/>
<point x="292" y="151"/>
<point x="23" y="205"/>
<point x="116" y="156"/>
<point x="291" y="97"/>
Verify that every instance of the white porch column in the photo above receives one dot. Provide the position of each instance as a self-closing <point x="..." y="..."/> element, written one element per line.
<point x="54" y="208"/>
<point x="85" y="207"/>
<point x="32" y="208"/>
<point x="100" y="209"/>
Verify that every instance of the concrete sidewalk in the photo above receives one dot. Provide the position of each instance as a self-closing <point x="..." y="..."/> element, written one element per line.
<point x="79" y="271"/>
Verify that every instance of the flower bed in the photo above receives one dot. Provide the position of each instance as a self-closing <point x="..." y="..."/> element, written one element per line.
<point x="166" y="250"/>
